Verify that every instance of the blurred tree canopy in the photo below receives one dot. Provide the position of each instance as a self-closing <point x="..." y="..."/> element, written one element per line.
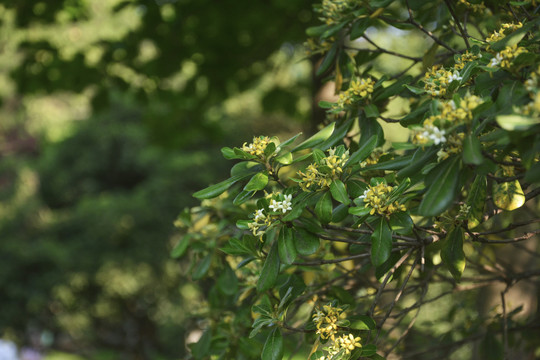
<point x="108" y="110"/>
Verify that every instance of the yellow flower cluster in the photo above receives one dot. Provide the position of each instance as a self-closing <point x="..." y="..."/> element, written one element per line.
<point x="437" y="80"/>
<point x="376" y="197"/>
<point x="257" y="147"/>
<point x="357" y="90"/>
<point x="347" y="343"/>
<point x="505" y="57"/>
<point x="473" y="7"/>
<point x="322" y="174"/>
<point x="500" y="34"/>
<point x="463" y="59"/>
<point x="433" y="130"/>
<point x="326" y="321"/>
<point x="333" y="11"/>
<point x="454" y="145"/>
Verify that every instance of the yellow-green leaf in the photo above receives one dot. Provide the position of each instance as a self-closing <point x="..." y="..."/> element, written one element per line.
<point x="508" y="195"/>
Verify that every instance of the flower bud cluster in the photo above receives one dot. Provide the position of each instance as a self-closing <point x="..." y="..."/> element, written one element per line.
<point x="333" y="11"/>
<point x="377" y="198"/>
<point x="500" y="34"/>
<point x="504" y="58"/>
<point x="437" y="80"/>
<point x="257" y="147"/>
<point x="474" y="7"/>
<point x="262" y="219"/>
<point x="358" y="89"/>
<point x="454" y="145"/>
<point x="322" y="173"/>
<point x="326" y="321"/>
<point x="531" y="84"/>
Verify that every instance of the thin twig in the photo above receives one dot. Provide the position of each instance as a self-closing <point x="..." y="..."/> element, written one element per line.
<point x="458" y="23"/>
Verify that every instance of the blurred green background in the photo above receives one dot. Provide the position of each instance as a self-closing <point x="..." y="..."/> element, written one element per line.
<point x="112" y="114"/>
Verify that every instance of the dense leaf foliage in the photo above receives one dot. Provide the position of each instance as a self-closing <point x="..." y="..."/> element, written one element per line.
<point x="344" y="240"/>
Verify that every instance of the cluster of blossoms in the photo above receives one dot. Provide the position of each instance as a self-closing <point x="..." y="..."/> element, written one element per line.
<point x="377" y="198"/>
<point x="505" y="57"/>
<point x="454" y="145"/>
<point x="500" y="34"/>
<point x="326" y="321"/>
<point x="257" y="147"/>
<point x="321" y="174"/>
<point x="437" y="80"/>
<point x="279" y="205"/>
<point x="333" y="11"/>
<point x="429" y="134"/>
<point x="433" y="131"/>
<point x="464" y="58"/>
<point x="358" y="89"/>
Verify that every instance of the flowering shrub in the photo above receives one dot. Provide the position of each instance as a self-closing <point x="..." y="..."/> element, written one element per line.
<point x="339" y="239"/>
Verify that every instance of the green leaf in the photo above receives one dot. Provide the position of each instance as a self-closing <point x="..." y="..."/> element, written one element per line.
<point x="442" y="191"/>
<point x="323" y="208"/>
<point x="286" y="246"/>
<point x="363" y="322"/>
<point x="337" y="136"/>
<point x="381" y="242"/>
<point x="415" y="89"/>
<point x="371" y="111"/>
<point x="285" y="159"/>
<point x="273" y="347"/>
<point x="316" y="139"/>
<point x="452" y="253"/>
<point x="363" y="152"/>
<point x="333" y="29"/>
<point x="328" y="59"/>
<point x="369" y="350"/>
<point x="472" y="150"/>
<point x="476" y="200"/>
<point x="294" y="286"/>
<point x="401" y="223"/>
<point x="257" y="182"/>
<point x="370" y="127"/>
<point x="202" y="347"/>
<point x="316" y="31"/>
<point x="508" y="195"/>
<point x="219" y="188"/>
<point x="394" y="164"/>
<point x="202" y="268"/>
<point x="270" y="270"/>
<point x="338" y="191"/>
<point x="181" y="247"/>
<point x="326" y="104"/>
<point x="359" y="211"/>
<point x="306" y="242"/>
<point x="516" y="122"/>
<point x="359" y="27"/>
<point x="242" y="197"/>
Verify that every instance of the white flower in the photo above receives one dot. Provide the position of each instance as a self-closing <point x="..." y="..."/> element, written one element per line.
<point x="496" y="60"/>
<point x="286" y="204"/>
<point x="454" y="76"/>
<point x="259" y="215"/>
<point x="363" y="197"/>
<point x="275" y="205"/>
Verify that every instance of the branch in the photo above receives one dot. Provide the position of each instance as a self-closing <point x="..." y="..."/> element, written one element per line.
<point x="427" y="32"/>
<point x="458" y="23"/>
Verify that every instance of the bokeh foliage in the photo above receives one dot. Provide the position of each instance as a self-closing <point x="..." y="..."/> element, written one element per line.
<point x="107" y="108"/>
